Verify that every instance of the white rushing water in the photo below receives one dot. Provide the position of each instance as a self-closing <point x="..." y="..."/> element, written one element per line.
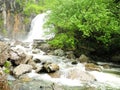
<point x="37" y="32"/>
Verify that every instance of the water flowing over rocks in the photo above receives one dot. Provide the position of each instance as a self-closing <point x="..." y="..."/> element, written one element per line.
<point x="37" y="66"/>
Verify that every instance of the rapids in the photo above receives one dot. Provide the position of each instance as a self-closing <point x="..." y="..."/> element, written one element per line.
<point x="105" y="81"/>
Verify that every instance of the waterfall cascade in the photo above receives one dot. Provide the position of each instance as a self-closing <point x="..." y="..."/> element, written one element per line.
<point x="37" y="31"/>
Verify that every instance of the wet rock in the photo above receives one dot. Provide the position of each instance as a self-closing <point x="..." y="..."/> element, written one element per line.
<point x="50" y="67"/>
<point x="37" y="60"/>
<point x="17" y="56"/>
<point x="59" y="52"/>
<point x="45" y="47"/>
<point x="116" y="58"/>
<point x="92" y="67"/>
<point x="36" y="51"/>
<point x="83" y="58"/>
<point x="37" y="43"/>
<point x="32" y="63"/>
<point x="106" y="66"/>
<point x="55" y="74"/>
<point x="70" y="55"/>
<point x="74" y="62"/>
<point x="25" y="78"/>
<point x="27" y="59"/>
<point x="22" y="69"/>
<point x="80" y="75"/>
<point x="3" y="52"/>
<point x="38" y="68"/>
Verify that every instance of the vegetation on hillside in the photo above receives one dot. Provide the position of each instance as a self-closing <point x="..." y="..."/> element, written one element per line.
<point x="89" y="23"/>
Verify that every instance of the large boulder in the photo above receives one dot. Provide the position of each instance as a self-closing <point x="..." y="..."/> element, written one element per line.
<point x="50" y="67"/>
<point x="80" y="75"/>
<point x="83" y="58"/>
<point x="70" y="55"/>
<point x="45" y="47"/>
<point x="116" y="58"/>
<point x="92" y="67"/>
<point x="22" y="69"/>
<point x="18" y="56"/>
<point x="59" y="52"/>
<point x="37" y="43"/>
<point x="3" y="52"/>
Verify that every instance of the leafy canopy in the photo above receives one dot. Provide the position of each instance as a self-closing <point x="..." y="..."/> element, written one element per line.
<point x="93" y="18"/>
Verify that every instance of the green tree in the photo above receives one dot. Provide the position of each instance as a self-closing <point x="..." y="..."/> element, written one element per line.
<point x="85" y="19"/>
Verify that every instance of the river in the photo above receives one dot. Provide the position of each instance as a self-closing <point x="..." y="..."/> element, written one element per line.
<point x="108" y="79"/>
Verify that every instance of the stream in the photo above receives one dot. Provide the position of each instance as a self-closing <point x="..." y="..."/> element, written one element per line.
<point x="68" y="76"/>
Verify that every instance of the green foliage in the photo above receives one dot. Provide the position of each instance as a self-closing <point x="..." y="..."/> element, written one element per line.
<point x="63" y="41"/>
<point x="7" y="66"/>
<point x="36" y="7"/>
<point x="93" y="18"/>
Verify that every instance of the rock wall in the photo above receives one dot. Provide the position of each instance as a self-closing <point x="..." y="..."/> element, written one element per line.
<point x="12" y="20"/>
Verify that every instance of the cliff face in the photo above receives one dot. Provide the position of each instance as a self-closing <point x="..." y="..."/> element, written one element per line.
<point x="12" y="20"/>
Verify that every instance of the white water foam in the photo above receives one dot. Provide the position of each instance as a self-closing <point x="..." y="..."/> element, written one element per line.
<point x="107" y="78"/>
<point x="37" y="31"/>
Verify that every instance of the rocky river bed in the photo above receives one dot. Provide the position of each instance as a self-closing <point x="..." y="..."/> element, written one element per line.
<point x="35" y="66"/>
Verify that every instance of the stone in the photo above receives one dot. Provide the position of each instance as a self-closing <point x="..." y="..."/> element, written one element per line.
<point x="36" y="51"/>
<point x="38" y="68"/>
<point x="80" y="75"/>
<point x="27" y="59"/>
<point x="83" y="58"/>
<point x="59" y="52"/>
<point x="116" y="58"/>
<point x="37" y="43"/>
<point x="32" y="63"/>
<point x="3" y="52"/>
<point x="70" y="55"/>
<point x="74" y="62"/>
<point x="106" y="66"/>
<point x="17" y="56"/>
<point x="37" y="60"/>
<point x="50" y="67"/>
<point x="92" y="67"/>
<point x="45" y="47"/>
<point x="22" y="69"/>
<point x="56" y="74"/>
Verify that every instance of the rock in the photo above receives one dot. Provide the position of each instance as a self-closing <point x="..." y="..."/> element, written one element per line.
<point x="36" y="60"/>
<point x="25" y="78"/>
<point x="38" y="68"/>
<point x="106" y="66"/>
<point x="74" y="62"/>
<point x="36" y="51"/>
<point x="70" y="55"/>
<point x="37" y="43"/>
<point x="80" y="75"/>
<point x="32" y="63"/>
<point x="27" y="59"/>
<point x="17" y="56"/>
<point x="83" y="58"/>
<point x="45" y="47"/>
<point x="50" y="67"/>
<point x="59" y="52"/>
<point x="3" y="52"/>
<point x="22" y="69"/>
<point x="116" y="58"/>
<point x="92" y="67"/>
<point x="55" y="74"/>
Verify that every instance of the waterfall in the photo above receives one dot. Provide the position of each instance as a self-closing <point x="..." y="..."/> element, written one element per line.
<point x="37" y="31"/>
